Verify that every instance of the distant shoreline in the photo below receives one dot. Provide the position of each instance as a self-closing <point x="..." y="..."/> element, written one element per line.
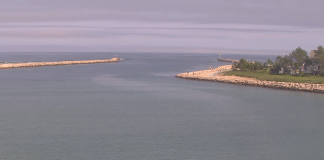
<point x="58" y="63"/>
<point x="215" y="75"/>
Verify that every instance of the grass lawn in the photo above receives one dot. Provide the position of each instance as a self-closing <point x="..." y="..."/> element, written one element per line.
<point x="264" y="76"/>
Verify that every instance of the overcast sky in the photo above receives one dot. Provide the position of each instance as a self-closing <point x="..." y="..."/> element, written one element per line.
<point x="161" y="25"/>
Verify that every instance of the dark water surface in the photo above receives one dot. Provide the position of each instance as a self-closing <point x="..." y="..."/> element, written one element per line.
<point x="136" y="109"/>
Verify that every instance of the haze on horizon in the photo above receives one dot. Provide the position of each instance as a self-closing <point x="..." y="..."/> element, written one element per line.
<point x="200" y="26"/>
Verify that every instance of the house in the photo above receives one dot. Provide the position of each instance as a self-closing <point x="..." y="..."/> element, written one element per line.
<point x="315" y="67"/>
<point x="274" y="71"/>
<point x="289" y="70"/>
<point x="277" y="71"/>
<point x="312" y="69"/>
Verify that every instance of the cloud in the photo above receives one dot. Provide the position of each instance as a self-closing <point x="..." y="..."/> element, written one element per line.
<point x="275" y="12"/>
<point x="203" y="24"/>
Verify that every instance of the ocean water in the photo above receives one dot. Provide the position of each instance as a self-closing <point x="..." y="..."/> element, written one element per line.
<point x="137" y="110"/>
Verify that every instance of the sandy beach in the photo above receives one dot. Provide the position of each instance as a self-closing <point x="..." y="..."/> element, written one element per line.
<point x="216" y="75"/>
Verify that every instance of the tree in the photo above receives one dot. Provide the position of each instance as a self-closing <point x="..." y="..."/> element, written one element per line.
<point x="234" y="65"/>
<point x="319" y="56"/>
<point x="299" y="56"/>
<point x="257" y="65"/>
<point x="278" y="63"/>
<point x="283" y="62"/>
<point x="243" y="64"/>
<point x="250" y="66"/>
<point x="267" y="64"/>
<point x="319" y="51"/>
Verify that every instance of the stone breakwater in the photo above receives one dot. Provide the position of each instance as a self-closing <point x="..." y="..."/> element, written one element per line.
<point x="227" y="60"/>
<point x="59" y="63"/>
<point x="216" y="75"/>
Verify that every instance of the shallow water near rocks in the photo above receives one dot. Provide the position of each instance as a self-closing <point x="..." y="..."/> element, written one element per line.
<point x="137" y="109"/>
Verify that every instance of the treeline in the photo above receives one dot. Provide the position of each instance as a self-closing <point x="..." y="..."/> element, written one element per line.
<point x="297" y="59"/>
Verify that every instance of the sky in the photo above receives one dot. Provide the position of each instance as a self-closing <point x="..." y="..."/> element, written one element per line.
<point x="197" y="26"/>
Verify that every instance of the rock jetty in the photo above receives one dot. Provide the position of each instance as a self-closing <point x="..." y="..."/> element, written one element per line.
<point x="227" y="60"/>
<point x="216" y="75"/>
<point x="59" y="63"/>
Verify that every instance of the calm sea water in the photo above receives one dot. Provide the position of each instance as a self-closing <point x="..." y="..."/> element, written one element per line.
<point x="136" y="109"/>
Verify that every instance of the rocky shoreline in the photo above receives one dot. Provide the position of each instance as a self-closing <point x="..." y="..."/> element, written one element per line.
<point x="215" y="75"/>
<point x="59" y="63"/>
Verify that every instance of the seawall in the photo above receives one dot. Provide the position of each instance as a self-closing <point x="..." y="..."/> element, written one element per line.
<point x="59" y="63"/>
<point x="215" y="75"/>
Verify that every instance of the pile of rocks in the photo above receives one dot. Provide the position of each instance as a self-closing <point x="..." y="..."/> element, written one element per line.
<point x="38" y="64"/>
<point x="206" y="75"/>
<point x="203" y="73"/>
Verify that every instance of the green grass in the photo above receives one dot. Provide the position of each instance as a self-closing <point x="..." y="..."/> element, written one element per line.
<point x="264" y="76"/>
